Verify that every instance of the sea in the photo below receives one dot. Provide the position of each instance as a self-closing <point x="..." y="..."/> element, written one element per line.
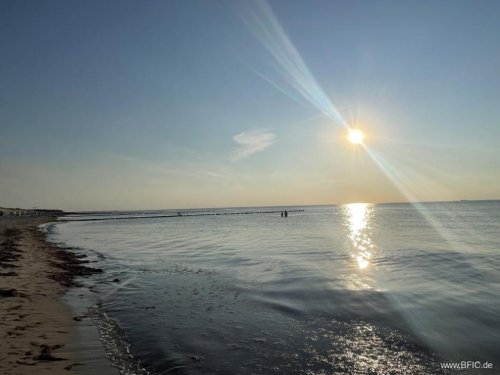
<point x="343" y="289"/>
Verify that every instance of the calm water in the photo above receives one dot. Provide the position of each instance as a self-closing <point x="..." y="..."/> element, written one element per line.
<point x="354" y="289"/>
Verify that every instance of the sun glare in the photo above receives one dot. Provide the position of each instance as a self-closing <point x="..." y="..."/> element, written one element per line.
<point x="355" y="136"/>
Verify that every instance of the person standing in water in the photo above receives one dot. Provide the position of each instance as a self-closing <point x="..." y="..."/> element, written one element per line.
<point x="286" y="213"/>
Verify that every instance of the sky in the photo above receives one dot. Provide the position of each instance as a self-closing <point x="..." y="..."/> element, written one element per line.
<point x="183" y="104"/>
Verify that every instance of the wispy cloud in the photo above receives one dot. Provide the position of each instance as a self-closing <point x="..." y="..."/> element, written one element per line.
<point x="248" y="143"/>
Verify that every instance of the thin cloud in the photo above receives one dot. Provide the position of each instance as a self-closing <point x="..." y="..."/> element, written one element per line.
<point x="248" y="143"/>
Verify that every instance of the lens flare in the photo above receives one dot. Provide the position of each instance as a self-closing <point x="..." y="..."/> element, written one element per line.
<point x="260" y="19"/>
<point x="355" y="136"/>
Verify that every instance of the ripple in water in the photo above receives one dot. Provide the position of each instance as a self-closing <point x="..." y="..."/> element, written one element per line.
<point x="356" y="289"/>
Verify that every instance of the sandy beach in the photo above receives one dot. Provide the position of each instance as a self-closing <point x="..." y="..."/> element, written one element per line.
<point x="36" y="326"/>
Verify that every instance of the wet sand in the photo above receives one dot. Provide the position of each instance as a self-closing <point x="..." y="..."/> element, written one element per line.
<point x="36" y="328"/>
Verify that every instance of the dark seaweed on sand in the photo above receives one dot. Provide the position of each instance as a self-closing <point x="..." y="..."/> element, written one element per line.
<point x="9" y="251"/>
<point x="70" y="266"/>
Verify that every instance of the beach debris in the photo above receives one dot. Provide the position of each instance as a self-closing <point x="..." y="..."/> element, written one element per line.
<point x="78" y="318"/>
<point x="70" y="367"/>
<point x="46" y="353"/>
<point x="5" y="293"/>
<point x="9" y="251"/>
<point x="16" y="307"/>
<point x="26" y="362"/>
<point x="8" y="273"/>
<point x="71" y="266"/>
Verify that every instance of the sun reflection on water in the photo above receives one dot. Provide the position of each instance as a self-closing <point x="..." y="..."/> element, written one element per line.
<point x="358" y="220"/>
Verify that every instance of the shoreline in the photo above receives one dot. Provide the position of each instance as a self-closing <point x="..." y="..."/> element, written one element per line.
<point x="38" y="331"/>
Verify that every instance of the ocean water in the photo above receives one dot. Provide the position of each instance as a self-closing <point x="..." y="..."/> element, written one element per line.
<point x="348" y="289"/>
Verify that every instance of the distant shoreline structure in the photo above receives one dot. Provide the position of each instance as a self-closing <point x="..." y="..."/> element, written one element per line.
<point x="4" y="211"/>
<point x="277" y="208"/>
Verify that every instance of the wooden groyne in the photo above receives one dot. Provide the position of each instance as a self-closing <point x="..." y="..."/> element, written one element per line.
<point x="184" y="214"/>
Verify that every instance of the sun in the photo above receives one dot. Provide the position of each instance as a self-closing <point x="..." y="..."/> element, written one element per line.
<point x="355" y="136"/>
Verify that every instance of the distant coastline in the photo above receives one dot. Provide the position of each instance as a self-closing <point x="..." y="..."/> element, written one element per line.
<point x="5" y="211"/>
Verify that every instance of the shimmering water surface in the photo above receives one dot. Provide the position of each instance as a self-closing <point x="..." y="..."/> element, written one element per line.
<point x="354" y="289"/>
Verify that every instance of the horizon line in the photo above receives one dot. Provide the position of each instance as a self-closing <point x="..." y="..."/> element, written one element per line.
<point x="285" y="205"/>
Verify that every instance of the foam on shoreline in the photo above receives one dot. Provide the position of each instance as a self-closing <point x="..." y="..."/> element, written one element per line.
<point x="101" y="345"/>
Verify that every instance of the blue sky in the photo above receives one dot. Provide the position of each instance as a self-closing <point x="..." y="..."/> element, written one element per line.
<point x="159" y="104"/>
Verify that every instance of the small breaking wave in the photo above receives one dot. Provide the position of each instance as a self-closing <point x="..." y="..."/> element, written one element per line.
<point x="115" y="343"/>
